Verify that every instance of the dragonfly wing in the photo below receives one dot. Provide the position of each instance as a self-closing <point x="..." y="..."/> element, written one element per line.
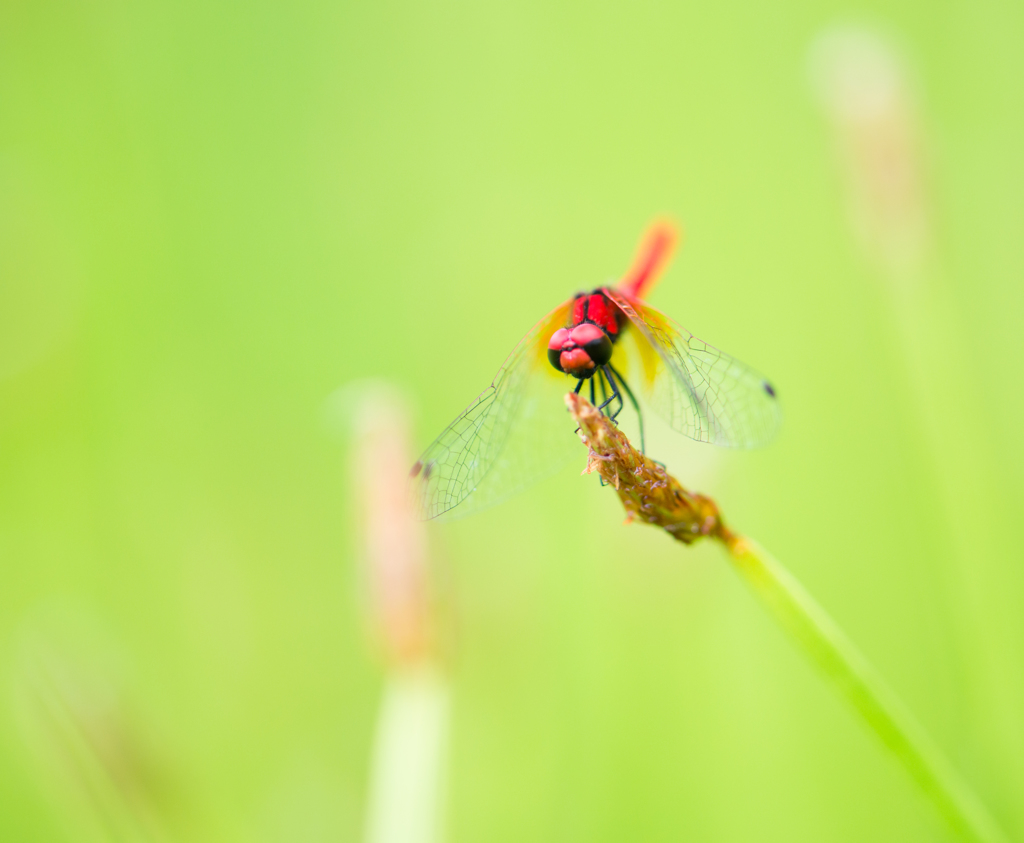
<point x="516" y="432"/>
<point x="700" y="391"/>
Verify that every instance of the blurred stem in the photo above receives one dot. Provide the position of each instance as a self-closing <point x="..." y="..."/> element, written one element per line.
<point x="106" y="789"/>
<point x="652" y="496"/>
<point x="854" y="677"/>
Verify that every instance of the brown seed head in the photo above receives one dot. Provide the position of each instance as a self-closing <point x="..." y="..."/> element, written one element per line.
<point x="648" y="492"/>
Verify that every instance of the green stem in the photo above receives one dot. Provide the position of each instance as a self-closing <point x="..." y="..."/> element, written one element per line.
<point x="864" y="689"/>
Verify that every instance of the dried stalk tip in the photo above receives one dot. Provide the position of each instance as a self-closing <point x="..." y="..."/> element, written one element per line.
<point x="648" y="493"/>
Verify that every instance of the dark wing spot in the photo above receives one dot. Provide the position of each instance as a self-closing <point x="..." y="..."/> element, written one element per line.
<point x="428" y="470"/>
<point x="768" y="388"/>
<point x="416" y="469"/>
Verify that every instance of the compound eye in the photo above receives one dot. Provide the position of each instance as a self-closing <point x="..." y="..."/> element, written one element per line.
<point x="554" y="356"/>
<point x="599" y="349"/>
<point x="559" y="338"/>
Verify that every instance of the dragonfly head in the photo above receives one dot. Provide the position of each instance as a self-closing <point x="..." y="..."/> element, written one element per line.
<point x="579" y="351"/>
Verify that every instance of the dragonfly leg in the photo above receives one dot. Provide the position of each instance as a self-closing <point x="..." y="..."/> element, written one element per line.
<point x="636" y="406"/>
<point x="602" y="381"/>
<point x="614" y="414"/>
<point x="579" y="386"/>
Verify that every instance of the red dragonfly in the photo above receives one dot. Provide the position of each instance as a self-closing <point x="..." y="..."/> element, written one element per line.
<point x="611" y="341"/>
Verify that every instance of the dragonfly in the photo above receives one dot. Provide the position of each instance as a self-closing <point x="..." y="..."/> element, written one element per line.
<point x="618" y="347"/>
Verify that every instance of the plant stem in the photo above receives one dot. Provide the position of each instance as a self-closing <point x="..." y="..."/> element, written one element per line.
<point x="854" y="677"/>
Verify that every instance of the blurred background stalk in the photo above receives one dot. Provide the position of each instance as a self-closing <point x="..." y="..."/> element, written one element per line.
<point x="409" y="756"/>
<point x="93" y="761"/>
<point x="868" y="89"/>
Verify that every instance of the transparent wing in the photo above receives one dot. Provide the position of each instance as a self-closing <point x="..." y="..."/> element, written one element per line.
<point x="516" y="432"/>
<point x="700" y="391"/>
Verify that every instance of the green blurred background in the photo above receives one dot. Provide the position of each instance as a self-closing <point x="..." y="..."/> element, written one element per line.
<point x="214" y="215"/>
